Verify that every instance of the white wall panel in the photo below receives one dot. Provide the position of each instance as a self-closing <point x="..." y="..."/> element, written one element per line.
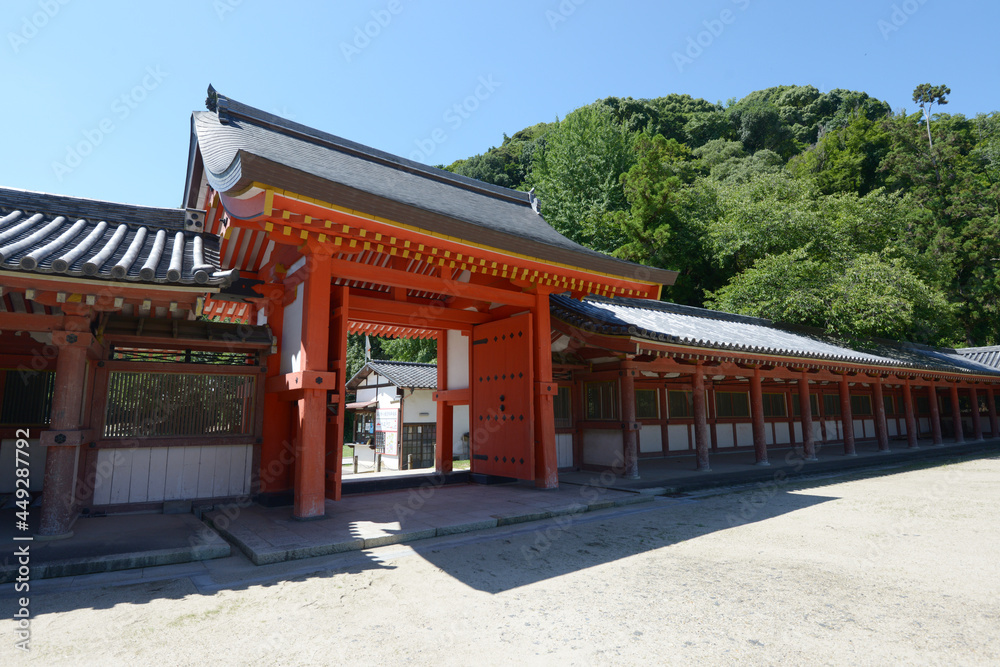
<point x="650" y="439"/>
<point x="677" y="436"/>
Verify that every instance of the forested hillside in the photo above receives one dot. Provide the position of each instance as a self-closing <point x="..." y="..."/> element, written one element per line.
<point x="825" y="209"/>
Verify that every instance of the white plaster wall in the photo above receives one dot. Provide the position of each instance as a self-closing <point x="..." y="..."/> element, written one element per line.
<point x="768" y="433"/>
<point x="781" y="433"/>
<point x="723" y="435"/>
<point x="925" y="424"/>
<point x="650" y="439"/>
<point x="421" y="400"/>
<point x="833" y="429"/>
<point x="35" y="460"/>
<point x="677" y="436"/>
<point x="564" y="450"/>
<point x="460" y="422"/>
<point x="893" y="431"/>
<point x="291" y="334"/>
<point x="155" y="474"/>
<point x="458" y="361"/>
<point x="602" y="448"/>
<point x="744" y="435"/>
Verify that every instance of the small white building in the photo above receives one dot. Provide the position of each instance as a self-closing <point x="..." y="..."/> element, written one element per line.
<point x="395" y="411"/>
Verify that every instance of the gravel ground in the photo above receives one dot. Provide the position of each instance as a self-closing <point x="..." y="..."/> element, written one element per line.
<point x="892" y="569"/>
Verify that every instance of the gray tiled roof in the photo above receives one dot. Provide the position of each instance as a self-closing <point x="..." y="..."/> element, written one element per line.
<point x="697" y="327"/>
<point x="52" y="234"/>
<point x="409" y="374"/>
<point x="225" y="138"/>
<point x="987" y="356"/>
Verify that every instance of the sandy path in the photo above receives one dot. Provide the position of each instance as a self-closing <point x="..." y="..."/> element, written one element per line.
<point x="896" y="569"/>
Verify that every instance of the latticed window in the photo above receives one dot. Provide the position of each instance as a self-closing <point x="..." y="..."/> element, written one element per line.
<point x="179" y="404"/>
<point x="562" y="406"/>
<point x="831" y="405"/>
<point x="861" y="404"/>
<point x="27" y="397"/>
<point x="679" y="404"/>
<point x="890" y="405"/>
<point x="775" y="405"/>
<point x="602" y="401"/>
<point x="646" y="404"/>
<point x="797" y="405"/>
<point x="732" y="404"/>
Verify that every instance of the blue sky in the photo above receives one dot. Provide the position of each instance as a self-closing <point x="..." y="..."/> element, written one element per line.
<point x="98" y="94"/>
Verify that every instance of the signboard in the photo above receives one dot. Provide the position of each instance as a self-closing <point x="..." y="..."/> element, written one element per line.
<point x="387" y="423"/>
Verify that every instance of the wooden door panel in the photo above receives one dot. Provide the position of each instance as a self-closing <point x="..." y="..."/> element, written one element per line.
<point x="502" y="429"/>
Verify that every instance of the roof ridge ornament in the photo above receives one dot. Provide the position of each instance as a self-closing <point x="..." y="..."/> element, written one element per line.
<point x="535" y="203"/>
<point x="212" y="101"/>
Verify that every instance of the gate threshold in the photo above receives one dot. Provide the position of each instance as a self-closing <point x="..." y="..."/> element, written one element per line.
<point x="351" y="487"/>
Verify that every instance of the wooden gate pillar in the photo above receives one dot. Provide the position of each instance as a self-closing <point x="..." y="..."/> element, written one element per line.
<point x="757" y="419"/>
<point x="310" y="460"/>
<point x="64" y="435"/>
<point x="546" y="456"/>
<point x="444" y="430"/>
<point x="935" y="414"/>
<point x="847" y="418"/>
<point x="911" y="420"/>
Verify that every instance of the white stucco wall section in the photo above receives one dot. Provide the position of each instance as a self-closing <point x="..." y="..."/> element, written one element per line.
<point x="419" y="407"/>
<point x="458" y="361"/>
<point x="291" y="334"/>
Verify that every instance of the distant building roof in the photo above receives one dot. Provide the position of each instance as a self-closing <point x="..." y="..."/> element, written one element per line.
<point x="408" y="374"/>
<point x="987" y="356"/>
<point x="241" y="145"/>
<point x="698" y="327"/>
<point x="51" y="234"/>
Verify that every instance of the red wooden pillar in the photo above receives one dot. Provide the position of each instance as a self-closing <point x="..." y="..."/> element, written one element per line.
<point x="701" y="439"/>
<point x="310" y="460"/>
<point x="977" y="424"/>
<point x="992" y="407"/>
<point x="58" y="497"/>
<point x="546" y="456"/>
<point x="444" y="452"/>
<point x="881" y="429"/>
<point x="277" y="451"/>
<point x="911" y="420"/>
<point x="805" y="414"/>
<point x="847" y="418"/>
<point x="337" y="351"/>
<point x="956" y="413"/>
<point x="630" y="439"/>
<point x="757" y="419"/>
<point x="935" y="414"/>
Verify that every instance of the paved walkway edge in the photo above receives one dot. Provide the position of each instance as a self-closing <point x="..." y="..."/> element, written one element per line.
<point x="261" y="553"/>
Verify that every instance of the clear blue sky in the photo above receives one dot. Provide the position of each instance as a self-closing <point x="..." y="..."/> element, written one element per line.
<point x="120" y="79"/>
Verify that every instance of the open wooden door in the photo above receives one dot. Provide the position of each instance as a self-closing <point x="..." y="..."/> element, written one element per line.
<point x="502" y="429"/>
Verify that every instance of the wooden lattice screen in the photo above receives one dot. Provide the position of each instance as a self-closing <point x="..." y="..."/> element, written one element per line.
<point x="179" y="404"/>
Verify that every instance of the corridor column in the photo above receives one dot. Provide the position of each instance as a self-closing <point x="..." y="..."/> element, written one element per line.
<point x="445" y="430"/>
<point x="881" y="429"/>
<point x="805" y="414"/>
<point x="847" y="418"/>
<point x="935" y="414"/>
<point x="701" y="438"/>
<point x="757" y="417"/>
<point x="63" y="437"/>
<point x="956" y="413"/>
<point x="911" y="420"/>
<point x="630" y="439"/>
<point x="992" y="407"/>
<point x="977" y="422"/>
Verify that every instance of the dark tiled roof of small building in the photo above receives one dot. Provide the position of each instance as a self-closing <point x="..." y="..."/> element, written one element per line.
<point x="987" y="356"/>
<point x="465" y="208"/>
<point x="409" y="374"/>
<point x="52" y="234"/>
<point x="698" y="327"/>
